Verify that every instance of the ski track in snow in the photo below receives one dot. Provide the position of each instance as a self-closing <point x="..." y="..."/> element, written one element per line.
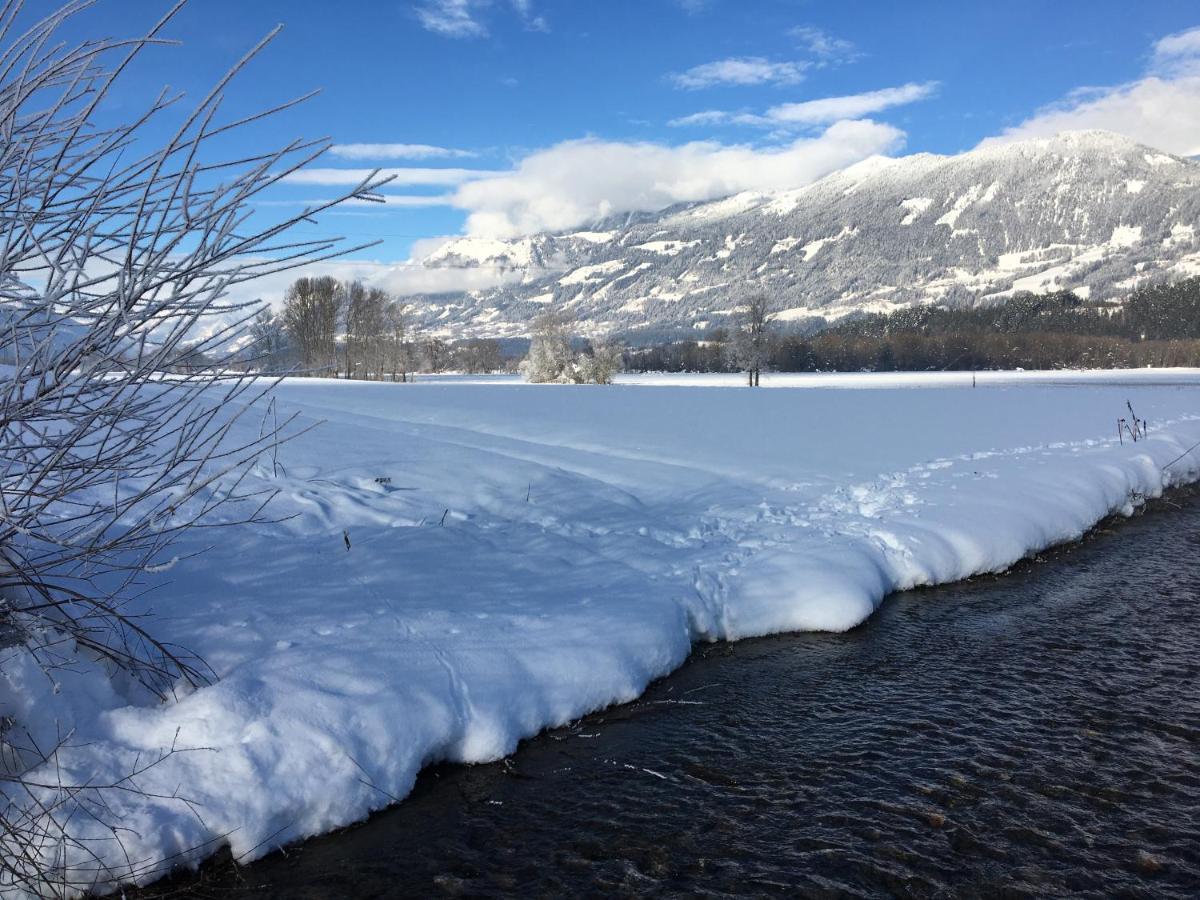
<point x="542" y="552"/>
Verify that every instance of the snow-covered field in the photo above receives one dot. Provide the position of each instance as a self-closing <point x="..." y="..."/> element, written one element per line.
<point x="544" y="551"/>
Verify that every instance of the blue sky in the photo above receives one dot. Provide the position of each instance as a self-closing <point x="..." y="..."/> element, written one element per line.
<point x="587" y="106"/>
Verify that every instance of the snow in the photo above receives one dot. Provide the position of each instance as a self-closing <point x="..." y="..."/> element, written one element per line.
<point x="544" y="551"/>
<point x="812" y="248"/>
<point x="586" y="273"/>
<point x="1125" y="236"/>
<point x="915" y="206"/>
<point x="972" y="195"/>
<point x="1159" y="159"/>
<point x="482" y="251"/>
<point x="594" y="237"/>
<point x="1180" y="234"/>
<point x="666" y="248"/>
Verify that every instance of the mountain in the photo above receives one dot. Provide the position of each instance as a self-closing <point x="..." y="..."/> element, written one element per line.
<point x="1091" y="211"/>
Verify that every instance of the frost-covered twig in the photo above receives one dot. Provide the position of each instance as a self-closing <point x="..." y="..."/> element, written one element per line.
<point x="119" y="400"/>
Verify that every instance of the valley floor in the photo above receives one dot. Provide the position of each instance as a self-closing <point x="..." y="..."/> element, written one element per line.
<point x="520" y="555"/>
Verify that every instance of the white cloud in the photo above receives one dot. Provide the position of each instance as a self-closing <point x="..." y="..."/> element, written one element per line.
<point x="706" y="117"/>
<point x="744" y="70"/>
<point x="401" y="176"/>
<point x="450" y="18"/>
<point x="825" y="46"/>
<point x="1178" y="54"/>
<point x="1161" y="109"/>
<point x="815" y="112"/>
<point x="397" y="151"/>
<point x="465" y="18"/>
<point x="851" y="106"/>
<point x="577" y="182"/>
<point x="399" y="278"/>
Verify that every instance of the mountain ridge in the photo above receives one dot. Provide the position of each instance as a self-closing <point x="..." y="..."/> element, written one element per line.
<point x="1091" y="211"/>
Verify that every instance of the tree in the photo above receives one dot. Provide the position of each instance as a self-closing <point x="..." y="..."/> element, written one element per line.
<point x="270" y="347"/>
<point x="550" y="358"/>
<point x="396" y="349"/>
<point x="435" y="354"/>
<point x="602" y="363"/>
<point x="312" y="309"/>
<point x="118" y="255"/>
<point x="479" y="356"/>
<point x="751" y="342"/>
<point x="366" y="326"/>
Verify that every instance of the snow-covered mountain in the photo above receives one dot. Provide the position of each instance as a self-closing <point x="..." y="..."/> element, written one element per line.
<point x="1091" y="211"/>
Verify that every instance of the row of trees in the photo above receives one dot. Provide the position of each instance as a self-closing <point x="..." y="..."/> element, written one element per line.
<point x="349" y="330"/>
<point x="1155" y="326"/>
<point x="336" y="328"/>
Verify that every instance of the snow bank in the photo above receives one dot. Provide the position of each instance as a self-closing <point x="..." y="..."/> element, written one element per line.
<point x="521" y="555"/>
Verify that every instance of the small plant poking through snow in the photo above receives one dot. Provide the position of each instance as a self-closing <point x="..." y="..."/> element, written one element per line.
<point x="1133" y="427"/>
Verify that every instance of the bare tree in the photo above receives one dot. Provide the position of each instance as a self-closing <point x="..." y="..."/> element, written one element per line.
<point x="479" y="356"/>
<point x="312" y="310"/>
<point x="396" y="348"/>
<point x="436" y="353"/>
<point x="269" y="347"/>
<point x="115" y="251"/>
<point x="367" y="329"/>
<point x="750" y="346"/>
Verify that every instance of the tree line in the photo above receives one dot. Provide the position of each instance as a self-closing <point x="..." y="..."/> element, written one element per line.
<point x="1155" y="326"/>
<point x="337" y="329"/>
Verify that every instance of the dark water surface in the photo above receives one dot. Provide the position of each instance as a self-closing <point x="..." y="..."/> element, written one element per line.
<point x="1034" y="734"/>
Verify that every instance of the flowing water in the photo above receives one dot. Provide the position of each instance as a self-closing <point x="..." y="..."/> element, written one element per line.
<point x="1031" y="734"/>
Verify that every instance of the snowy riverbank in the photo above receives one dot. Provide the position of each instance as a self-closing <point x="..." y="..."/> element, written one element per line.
<point x="543" y="551"/>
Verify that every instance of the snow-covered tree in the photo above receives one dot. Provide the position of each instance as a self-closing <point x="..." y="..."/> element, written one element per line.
<point x="552" y="361"/>
<point x="602" y="363"/>
<point x="550" y="358"/>
<point x="750" y="346"/>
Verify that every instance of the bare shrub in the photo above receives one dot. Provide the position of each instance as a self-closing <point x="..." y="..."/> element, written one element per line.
<point x="117" y="419"/>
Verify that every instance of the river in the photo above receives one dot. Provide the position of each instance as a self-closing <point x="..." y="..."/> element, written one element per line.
<point x="1032" y="734"/>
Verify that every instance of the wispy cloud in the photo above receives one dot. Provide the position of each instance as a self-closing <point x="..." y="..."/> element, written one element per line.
<point x="408" y="201"/>
<point x="704" y="117"/>
<point x="398" y="151"/>
<point x="450" y="18"/>
<point x="1177" y="55"/>
<point x="811" y="113"/>
<point x="534" y="22"/>
<point x="740" y="70"/>
<point x="401" y="176"/>
<point x="824" y="46"/>
<point x="1161" y="109"/>
<point x="465" y="18"/>
<point x="850" y="106"/>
